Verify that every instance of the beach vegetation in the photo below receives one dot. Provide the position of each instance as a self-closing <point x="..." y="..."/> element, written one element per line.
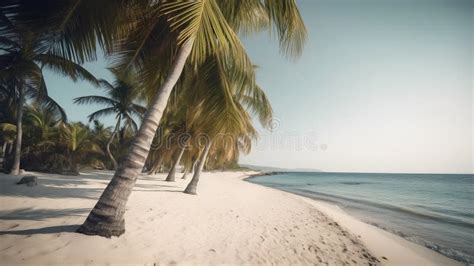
<point x="192" y="47"/>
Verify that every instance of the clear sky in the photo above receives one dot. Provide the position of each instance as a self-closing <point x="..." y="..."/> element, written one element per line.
<point x="382" y="86"/>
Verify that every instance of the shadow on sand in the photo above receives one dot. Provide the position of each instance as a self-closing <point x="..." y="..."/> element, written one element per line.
<point x="31" y="214"/>
<point x="44" y="230"/>
<point x="87" y="185"/>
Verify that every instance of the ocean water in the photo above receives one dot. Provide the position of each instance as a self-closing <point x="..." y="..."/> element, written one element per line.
<point x="434" y="210"/>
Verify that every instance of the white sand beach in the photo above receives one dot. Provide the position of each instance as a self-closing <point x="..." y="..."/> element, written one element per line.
<point x="230" y="221"/>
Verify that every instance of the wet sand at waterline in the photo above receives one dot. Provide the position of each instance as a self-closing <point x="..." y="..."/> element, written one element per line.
<point x="229" y="221"/>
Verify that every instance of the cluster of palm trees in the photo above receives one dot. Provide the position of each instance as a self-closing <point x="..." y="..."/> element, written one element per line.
<point x="51" y="144"/>
<point x="182" y="60"/>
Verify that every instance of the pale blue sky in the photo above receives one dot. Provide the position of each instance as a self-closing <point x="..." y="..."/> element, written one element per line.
<point x="382" y="86"/>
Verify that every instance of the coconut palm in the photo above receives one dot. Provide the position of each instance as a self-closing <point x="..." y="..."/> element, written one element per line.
<point x="121" y="102"/>
<point x="100" y="135"/>
<point x="78" y="141"/>
<point x="43" y="119"/>
<point x="41" y="139"/>
<point x="170" y="139"/>
<point x="7" y="120"/>
<point x="184" y="29"/>
<point x="25" y="55"/>
<point x="220" y="113"/>
<point x="7" y="135"/>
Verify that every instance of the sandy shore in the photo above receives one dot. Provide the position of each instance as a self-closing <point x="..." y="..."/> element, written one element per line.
<point x="229" y="221"/>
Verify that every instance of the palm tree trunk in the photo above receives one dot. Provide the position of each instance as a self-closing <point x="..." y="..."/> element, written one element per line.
<point x="10" y="148"/>
<point x="193" y="167"/>
<point x="109" y="153"/>
<point x="107" y="217"/>
<point x="155" y="166"/>
<point x="19" y="134"/>
<point x="4" y="149"/>
<point x="185" y="174"/>
<point x="73" y="163"/>
<point x="191" y="188"/>
<point x="171" y="174"/>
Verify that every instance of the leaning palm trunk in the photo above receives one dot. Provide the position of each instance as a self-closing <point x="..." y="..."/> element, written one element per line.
<point x="107" y="217"/>
<point x="185" y="173"/>
<point x="155" y="168"/>
<point x="73" y="163"/>
<point x="193" y="167"/>
<point x="109" y="153"/>
<point x="19" y="134"/>
<point x="171" y="174"/>
<point x="191" y="188"/>
<point x="4" y="149"/>
<point x="10" y="147"/>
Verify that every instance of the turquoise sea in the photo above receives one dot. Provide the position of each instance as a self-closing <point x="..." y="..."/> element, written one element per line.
<point x="434" y="210"/>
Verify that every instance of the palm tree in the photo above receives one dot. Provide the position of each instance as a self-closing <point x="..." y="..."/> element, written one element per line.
<point x="43" y="119"/>
<point x="176" y="160"/>
<point x="196" y="30"/>
<point x="121" y="102"/>
<point x="7" y="135"/>
<point x="157" y="38"/>
<point x="101" y="133"/>
<point x="172" y="132"/>
<point x="220" y="112"/>
<point x="7" y="120"/>
<point x="78" y="141"/>
<point x="25" y="54"/>
<point x="192" y="186"/>
<point x="101" y="136"/>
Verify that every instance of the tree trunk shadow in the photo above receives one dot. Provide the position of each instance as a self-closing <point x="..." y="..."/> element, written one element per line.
<point x="44" y="230"/>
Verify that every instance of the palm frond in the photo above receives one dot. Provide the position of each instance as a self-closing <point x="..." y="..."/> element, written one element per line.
<point x="244" y="16"/>
<point x="105" y="84"/>
<point x="204" y="24"/>
<point x="101" y="113"/>
<point x="75" y="27"/>
<point x="7" y="127"/>
<point x="66" y="67"/>
<point x="95" y="99"/>
<point x="258" y="104"/>
<point x="286" y="19"/>
<point x="48" y="103"/>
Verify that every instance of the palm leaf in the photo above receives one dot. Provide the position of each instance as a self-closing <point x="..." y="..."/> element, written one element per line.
<point x="95" y="99"/>
<point x="286" y="19"/>
<point x="101" y="113"/>
<point x="66" y="67"/>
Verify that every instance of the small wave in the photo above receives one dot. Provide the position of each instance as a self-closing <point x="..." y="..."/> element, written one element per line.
<point x="354" y="183"/>
<point x="280" y="185"/>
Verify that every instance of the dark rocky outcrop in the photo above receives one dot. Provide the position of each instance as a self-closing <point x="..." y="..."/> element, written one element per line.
<point x="266" y="173"/>
<point x="29" y="180"/>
